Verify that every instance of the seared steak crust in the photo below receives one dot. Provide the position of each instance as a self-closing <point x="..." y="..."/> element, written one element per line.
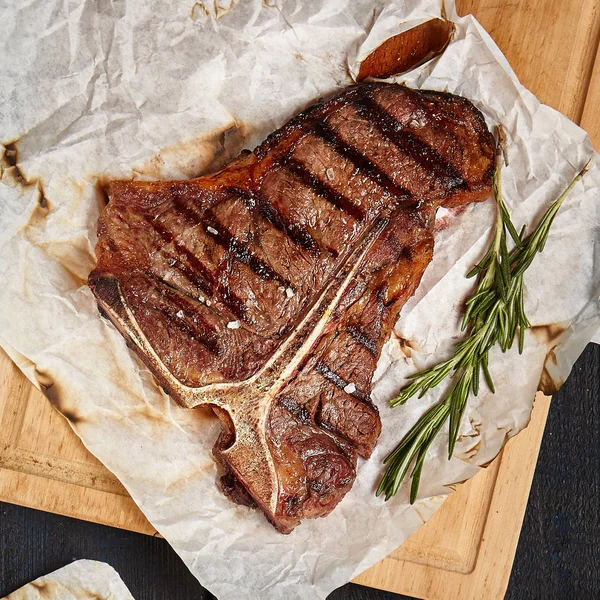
<point x="268" y="289"/>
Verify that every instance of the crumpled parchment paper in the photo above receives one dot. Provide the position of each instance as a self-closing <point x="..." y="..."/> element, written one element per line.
<point x="81" y="580"/>
<point x="148" y="89"/>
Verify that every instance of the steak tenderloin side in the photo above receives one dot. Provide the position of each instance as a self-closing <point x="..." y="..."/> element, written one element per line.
<point x="267" y="290"/>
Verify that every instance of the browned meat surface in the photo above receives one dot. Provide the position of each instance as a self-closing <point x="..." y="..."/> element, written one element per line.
<point x="268" y="289"/>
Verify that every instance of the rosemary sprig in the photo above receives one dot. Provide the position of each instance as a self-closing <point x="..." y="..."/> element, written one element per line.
<point x="494" y="315"/>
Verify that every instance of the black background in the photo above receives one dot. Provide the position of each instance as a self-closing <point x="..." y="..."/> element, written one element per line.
<point x="558" y="556"/>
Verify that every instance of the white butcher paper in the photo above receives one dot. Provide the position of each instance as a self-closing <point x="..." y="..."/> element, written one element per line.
<point x="148" y="89"/>
<point x="80" y="580"/>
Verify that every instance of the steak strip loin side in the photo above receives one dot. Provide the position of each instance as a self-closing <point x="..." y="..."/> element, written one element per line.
<point x="267" y="290"/>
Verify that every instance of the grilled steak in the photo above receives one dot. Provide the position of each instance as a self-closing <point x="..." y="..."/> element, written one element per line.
<point x="267" y="290"/>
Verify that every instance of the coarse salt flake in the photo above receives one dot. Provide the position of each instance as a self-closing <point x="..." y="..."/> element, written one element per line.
<point x="350" y="388"/>
<point x="289" y="292"/>
<point x="212" y="230"/>
<point x="233" y="325"/>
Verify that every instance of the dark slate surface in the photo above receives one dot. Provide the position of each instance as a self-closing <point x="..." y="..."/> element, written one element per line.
<point x="558" y="555"/>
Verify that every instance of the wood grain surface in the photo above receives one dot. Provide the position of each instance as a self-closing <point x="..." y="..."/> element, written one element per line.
<point x="466" y="550"/>
<point x="44" y="465"/>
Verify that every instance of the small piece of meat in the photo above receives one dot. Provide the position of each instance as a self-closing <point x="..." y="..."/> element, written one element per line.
<point x="268" y="289"/>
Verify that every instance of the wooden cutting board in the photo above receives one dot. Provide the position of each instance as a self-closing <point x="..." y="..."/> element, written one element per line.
<point x="466" y="550"/>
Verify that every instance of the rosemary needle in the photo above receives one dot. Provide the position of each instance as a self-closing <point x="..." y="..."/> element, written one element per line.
<point x="494" y="314"/>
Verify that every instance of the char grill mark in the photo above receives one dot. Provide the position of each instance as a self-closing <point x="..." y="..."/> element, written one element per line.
<point x="342" y="175"/>
<point x="360" y="161"/>
<point x="177" y="314"/>
<point x="264" y="233"/>
<point x="363" y="339"/>
<point x="323" y="189"/>
<point x="409" y="143"/>
<point x="342" y="384"/>
<point x="198" y="275"/>
<point x="227" y="241"/>
<point x="239" y="251"/>
<point x="298" y="410"/>
<point x="194" y="270"/>
<point x="188" y="304"/>
<point x="340" y="204"/>
<point x="294" y="231"/>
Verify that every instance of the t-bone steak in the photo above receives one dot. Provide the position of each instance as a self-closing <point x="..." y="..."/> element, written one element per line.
<point x="267" y="290"/>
